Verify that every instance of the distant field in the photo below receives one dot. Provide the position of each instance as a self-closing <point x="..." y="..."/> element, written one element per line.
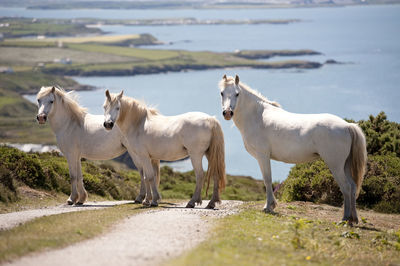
<point x="98" y="39"/>
<point x="118" y="40"/>
<point x="126" y="51"/>
<point x="20" y="27"/>
<point x="11" y="56"/>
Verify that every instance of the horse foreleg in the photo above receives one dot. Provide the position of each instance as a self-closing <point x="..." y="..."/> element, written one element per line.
<point x="142" y="193"/>
<point x="265" y="166"/>
<point x="81" y="188"/>
<point x="72" y="166"/>
<point x="198" y="170"/>
<point x="151" y="182"/>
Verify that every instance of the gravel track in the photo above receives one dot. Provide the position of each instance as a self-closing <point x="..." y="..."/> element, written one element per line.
<point x="147" y="238"/>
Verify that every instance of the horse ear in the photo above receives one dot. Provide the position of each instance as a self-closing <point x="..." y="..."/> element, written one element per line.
<point x="108" y="95"/>
<point x="225" y="78"/>
<point x="53" y="89"/>
<point x="237" y="80"/>
<point x="120" y="95"/>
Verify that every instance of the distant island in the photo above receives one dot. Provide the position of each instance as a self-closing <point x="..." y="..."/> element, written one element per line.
<point x="181" y="21"/>
<point x="182" y="4"/>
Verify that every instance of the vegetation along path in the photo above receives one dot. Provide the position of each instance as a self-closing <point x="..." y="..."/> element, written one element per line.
<point x="10" y="220"/>
<point x="147" y="238"/>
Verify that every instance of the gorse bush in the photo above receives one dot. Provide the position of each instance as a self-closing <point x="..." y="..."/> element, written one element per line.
<point x="314" y="182"/>
<point x="383" y="136"/>
<point x="311" y="182"/>
<point x="381" y="186"/>
<point x="49" y="171"/>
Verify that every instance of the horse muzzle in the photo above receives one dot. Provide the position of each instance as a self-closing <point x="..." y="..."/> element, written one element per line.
<point x="108" y="125"/>
<point x="227" y="114"/>
<point x="41" y="118"/>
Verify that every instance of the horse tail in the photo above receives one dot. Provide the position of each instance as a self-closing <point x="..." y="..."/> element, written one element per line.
<point x="358" y="155"/>
<point x="216" y="156"/>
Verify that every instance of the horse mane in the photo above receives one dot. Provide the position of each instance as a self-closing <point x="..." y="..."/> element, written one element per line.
<point x="139" y="110"/>
<point x="68" y="100"/>
<point x="231" y="81"/>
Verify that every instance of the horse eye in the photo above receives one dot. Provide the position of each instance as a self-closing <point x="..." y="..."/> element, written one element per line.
<point x="117" y="108"/>
<point x="222" y="94"/>
<point x="51" y="101"/>
<point x="237" y="94"/>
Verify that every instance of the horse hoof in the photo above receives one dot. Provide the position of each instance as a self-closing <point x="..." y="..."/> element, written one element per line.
<point x="79" y="203"/>
<point x="269" y="211"/>
<point x="146" y="203"/>
<point x="210" y="207"/>
<point x="137" y="202"/>
<point x="190" y="205"/>
<point x="154" y="204"/>
<point x="70" y="202"/>
<point x="353" y="220"/>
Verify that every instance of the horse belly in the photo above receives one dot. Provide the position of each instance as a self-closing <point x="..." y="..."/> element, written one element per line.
<point x="103" y="146"/>
<point x="168" y="150"/>
<point x="294" y="153"/>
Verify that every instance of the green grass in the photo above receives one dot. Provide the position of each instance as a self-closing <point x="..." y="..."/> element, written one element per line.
<point x="30" y="82"/>
<point x="33" y="56"/>
<point x="125" y="51"/>
<point x="60" y="230"/>
<point x="117" y="40"/>
<point x="255" y="238"/>
<point x="19" y="27"/>
<point x="28" y="43"/>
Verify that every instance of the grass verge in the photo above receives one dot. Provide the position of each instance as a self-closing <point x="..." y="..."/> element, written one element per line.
<point x="60" y="230"/>
<point x="255" y="238"/>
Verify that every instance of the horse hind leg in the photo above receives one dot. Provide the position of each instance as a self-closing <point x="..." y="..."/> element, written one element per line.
<point x="353" y="192"/>
<point x="198" y="170"/>
<point x="339" y="175"/>
<point x="215" y="196"/>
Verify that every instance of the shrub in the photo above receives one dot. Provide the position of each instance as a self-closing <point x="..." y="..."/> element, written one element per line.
<point x="381" y="186"/>
<point x="383" y="136"/>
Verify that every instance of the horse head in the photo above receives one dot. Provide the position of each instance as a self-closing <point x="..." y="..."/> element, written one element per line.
<point x="112" y="107"/>
<point x="229" y="94"/>
<point x="45" y="99"/>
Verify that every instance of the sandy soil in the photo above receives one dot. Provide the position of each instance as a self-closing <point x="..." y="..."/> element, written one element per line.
<point x="147" y="238"/>
<point x="10" y="220"/>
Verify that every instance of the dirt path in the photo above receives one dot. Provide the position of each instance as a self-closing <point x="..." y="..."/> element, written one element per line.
<point x="147" y="238"/>
<point x="12" y="219"/>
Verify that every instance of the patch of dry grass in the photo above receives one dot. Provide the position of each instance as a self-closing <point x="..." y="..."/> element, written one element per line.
<point x="297" y="235"/>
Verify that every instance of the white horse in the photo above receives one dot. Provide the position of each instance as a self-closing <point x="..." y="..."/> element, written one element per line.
<point x="79" y="135"/>
<point x="151" y="137"/>
<point x="269" y="132"/>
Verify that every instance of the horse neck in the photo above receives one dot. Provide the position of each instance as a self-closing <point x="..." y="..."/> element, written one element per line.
<point x="247" y="107"/>
<point x="126" y="120"/>
<point x="60" y="118"/>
